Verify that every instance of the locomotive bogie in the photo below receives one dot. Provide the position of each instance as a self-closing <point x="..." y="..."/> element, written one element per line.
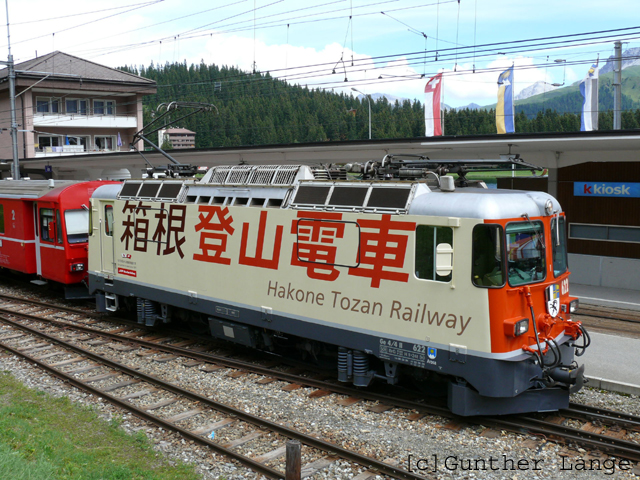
<point x="385" y="277"/>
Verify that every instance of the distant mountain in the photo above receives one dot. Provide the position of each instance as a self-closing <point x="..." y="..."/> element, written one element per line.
<point x="535" y="89"/>
<point x="471" y="106"/>
<point x="630" y="58"/>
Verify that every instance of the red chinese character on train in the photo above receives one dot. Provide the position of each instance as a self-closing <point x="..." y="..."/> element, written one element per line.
<point x="259" y="260"/>
<point x="214" y="227"/>
<point x="176" y="220"/>
<point x="382" y="250"/>
<point x="314" y="248"/>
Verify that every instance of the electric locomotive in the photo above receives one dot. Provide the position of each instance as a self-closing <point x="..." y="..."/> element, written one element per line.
<point x="44" y="229"/>
<point x="397" y="275"/>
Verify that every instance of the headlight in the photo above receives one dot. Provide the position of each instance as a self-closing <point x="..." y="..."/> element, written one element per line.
<point x="573" y="306"/>
<point x="514" y="327"/>
<point x="521" y="327"/>
<point x="77" y="267"/>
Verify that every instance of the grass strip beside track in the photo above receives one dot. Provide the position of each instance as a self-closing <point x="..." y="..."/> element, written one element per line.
<point x="43" y="437"/>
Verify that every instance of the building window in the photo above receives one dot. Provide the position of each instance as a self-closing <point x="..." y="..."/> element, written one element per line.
<point x="604" y="233"/>
<point x="104" y="107"/>
<point x="47" y="105"/>
<point x="77" y="106"/>
<point x="47" y="143"/>
<point x="104" y="143"/>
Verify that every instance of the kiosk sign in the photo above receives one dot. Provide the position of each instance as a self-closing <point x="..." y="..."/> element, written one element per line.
<point x="606" y="189"/>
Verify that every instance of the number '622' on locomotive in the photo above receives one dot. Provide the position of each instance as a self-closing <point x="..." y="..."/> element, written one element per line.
<point x="390" y="280"/>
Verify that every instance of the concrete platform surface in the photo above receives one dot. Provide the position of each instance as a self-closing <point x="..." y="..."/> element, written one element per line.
<point x="612" y="363"/>
<point x="605" y="296"/>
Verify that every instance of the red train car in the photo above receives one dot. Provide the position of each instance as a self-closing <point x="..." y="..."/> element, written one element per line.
<point x="44" y="228"/>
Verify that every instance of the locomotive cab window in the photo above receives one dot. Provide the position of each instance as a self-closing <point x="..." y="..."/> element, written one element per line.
<point x="428" y="239"/>
<point x="525" y="252"/>
<point x="77" y="223"/>
<point x="559" y="246"/>
<point x="108" y="224"/>
<point x="487" y="256"/>
<point x="47" y="225"/>
<point x="1" y="218"/>
<point x="58" y="227"/>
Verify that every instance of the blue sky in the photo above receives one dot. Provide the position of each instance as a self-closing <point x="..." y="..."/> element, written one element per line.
<point x="378" y="46"/>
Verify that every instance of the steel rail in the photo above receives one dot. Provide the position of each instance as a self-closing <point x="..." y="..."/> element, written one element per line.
<point x="596" y="413"/>
<point x="619" y="448"/>
<point x="308" y="440"/>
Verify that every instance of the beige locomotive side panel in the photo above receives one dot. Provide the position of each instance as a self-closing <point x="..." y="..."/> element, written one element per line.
<point x="305" y="265"/>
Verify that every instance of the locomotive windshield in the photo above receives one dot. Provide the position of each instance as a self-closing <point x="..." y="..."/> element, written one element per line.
<point x="525" y="252"/>
<point x="559" y="246"/>
<point x="77" y="222"/>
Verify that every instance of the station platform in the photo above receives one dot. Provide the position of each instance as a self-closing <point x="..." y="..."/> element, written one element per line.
<point x="611" y="362"/>
<point x="606" y="297"/>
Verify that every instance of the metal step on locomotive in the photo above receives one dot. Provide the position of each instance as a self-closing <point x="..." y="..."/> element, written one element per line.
<point x="392" y="270"/>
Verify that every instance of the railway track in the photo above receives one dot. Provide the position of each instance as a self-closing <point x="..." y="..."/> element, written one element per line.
<point x="601" y="432"/>
<point x="46" y="351"/>
<point x="610" y="320"/>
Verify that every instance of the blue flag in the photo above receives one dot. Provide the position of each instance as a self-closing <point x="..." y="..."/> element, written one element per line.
<point x="589" y="91"/>
<point x="505" y="113"/>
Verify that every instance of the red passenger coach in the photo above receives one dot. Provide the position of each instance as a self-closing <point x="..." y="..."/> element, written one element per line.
<point x="44" y="227"/>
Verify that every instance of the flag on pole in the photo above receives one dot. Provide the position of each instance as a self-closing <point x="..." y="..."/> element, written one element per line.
<point x="505" y="113"/>
<point x="119" y="140"/>
<point x="589" y="91"/>
<point x="432" y="115"/>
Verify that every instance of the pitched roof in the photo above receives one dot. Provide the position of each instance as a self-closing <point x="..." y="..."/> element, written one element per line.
<point x="62" y="64"/>
<point x="178" y="130"/>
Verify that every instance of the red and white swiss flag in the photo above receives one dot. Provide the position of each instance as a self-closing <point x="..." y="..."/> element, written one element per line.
<point x="432" y="115"/>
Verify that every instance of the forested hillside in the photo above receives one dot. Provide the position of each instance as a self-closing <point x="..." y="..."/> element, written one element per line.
<point x="256" y="109"/>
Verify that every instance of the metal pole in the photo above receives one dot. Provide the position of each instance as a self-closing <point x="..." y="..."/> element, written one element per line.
<point x="14" y="125"/>
<point x="368" y="97"/>
<point x="369" y="100"/>
<point x="617" y="86"/>
<point x="12" y="98"/>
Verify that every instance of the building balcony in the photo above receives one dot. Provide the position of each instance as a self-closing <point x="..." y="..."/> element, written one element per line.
<point x="67" y="150"/>
<point x="84" y="121"/>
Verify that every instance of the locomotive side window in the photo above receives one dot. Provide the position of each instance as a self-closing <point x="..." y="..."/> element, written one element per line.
<point x="525" y="252"/>
<point x="58" y="227"/>
<point x="46" y="218"/>
<point x="108" y="224"/>
<point x="1" y="218"/>
<point x="487" y="256"/>
<point x="427" y="240"/>
<point x="559" y="246"/>
<point x="77" y="222"/>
